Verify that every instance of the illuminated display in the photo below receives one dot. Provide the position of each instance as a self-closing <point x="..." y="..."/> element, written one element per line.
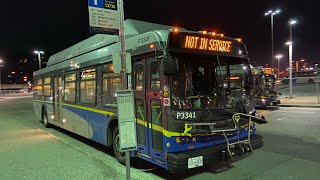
<point x="204" y="43"/>
<point x="234" y="78"/>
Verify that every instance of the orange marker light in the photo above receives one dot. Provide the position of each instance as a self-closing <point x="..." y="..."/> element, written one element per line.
<point x="111" y="68"/>
<point x="204" y="32"/>
<point x="213" y="33"/>
<point x="239" y="40"/>
<point x="175" y="29"/>
<point x="221" y="35"/>
<point x="151" y="46"/>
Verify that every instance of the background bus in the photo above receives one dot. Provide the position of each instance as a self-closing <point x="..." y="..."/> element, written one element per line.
<point x="187" y="112"/>
<point x="265" y="87"/>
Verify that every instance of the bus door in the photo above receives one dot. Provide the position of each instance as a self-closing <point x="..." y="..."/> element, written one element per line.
<point x="57" y="99"/>
<point x="147" y="88"/>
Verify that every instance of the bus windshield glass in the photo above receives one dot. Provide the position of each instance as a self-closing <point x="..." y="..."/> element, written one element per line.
<point x="211" y="82"/>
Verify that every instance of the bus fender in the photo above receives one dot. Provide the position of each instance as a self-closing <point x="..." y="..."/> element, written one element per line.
<point x="110" y="127"/>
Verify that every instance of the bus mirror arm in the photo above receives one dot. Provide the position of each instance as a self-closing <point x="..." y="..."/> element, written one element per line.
<point x="259" y="120"/>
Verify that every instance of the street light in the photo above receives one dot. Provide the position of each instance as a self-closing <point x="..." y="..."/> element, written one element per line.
<point x="1" y="62"/>
<point x="39" y="57"/>
<point x="289" y="43"/>
<point x="272" y="13"/>
<point x="278" y="57"/>
<point x="291" y="23"/>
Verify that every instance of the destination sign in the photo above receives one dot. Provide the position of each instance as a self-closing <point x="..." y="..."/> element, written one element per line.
<point x="204" y="43"/>
<point x="197" y="43"/>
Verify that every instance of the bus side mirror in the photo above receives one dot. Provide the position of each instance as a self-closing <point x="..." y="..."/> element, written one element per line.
<point x="170" y="66"/>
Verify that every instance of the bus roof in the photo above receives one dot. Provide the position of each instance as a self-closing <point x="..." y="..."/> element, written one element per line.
<point x="132" y="28"/>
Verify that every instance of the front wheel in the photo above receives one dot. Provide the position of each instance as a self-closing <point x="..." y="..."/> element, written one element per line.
<point x="116" y="146"/>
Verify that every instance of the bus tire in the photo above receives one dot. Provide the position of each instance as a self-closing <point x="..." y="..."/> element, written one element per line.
<point x="116" y="146"/>
<point x="45" y="118"/>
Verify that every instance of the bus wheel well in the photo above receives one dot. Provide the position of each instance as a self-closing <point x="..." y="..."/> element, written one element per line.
<point x="113" y="124"/>
<point x="43" y="112"/>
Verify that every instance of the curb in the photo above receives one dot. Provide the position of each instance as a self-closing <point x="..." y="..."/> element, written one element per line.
<point x="300" y="105"/>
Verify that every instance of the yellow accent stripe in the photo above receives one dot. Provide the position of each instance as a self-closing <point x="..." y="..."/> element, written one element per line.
<point x="139" y="121"/>
<point x="83" y="108"/>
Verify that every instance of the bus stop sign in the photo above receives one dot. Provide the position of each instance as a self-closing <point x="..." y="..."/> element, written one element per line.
<point x="103" y="16"/>
<point x="126" y="120"/>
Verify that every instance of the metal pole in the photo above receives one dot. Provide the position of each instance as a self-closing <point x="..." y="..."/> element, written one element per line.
<point x="123" y="47"/>
<point x="39" y="59"/>
<point x="290" y="27"/>
<point x="290" y="68"/>
<point x="0" y="80"/>
<point x="123" y="70"/>
<point x="318" y="92"/>
<point x="272" y="40"/>
<point x="278" y="67"/>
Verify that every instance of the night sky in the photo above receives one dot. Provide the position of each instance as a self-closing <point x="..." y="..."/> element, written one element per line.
<point x="52" y="26"/>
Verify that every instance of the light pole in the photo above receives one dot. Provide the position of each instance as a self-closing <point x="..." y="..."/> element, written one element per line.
<point x="272" y="13"/>
<point x="291" y="22"/>
<point x="39" y="57"/>
<point x="0" y="74"/>
<point x="289" y="43"/>
<point x="278" y="57"/>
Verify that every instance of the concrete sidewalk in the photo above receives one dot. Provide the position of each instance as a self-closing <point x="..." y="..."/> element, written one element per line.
<point x="15" y="95"/>
<point x="307" y="101"/>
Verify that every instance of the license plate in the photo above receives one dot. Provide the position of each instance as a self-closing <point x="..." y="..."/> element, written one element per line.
<point x="271" y="104"/>
<point x="195" y="162"/>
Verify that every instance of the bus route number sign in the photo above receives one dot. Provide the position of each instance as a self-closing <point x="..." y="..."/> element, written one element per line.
<point x="126" y="120"/>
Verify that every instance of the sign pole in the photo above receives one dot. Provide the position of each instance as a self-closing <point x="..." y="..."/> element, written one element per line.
<point x="106" y="18"/>
<point x="123" y="69"/>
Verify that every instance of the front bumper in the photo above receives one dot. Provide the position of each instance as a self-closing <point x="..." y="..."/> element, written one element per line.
<point x="267" y="102"/>
<point x="179" y="161"/>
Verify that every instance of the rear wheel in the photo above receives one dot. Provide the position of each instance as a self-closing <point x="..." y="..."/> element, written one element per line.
<point x="116" y="146"/>
<point x="45" y="118"/>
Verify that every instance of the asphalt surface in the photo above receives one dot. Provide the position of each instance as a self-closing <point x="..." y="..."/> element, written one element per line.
<point x="30" y="151"/>
<point x="300" y="90"/>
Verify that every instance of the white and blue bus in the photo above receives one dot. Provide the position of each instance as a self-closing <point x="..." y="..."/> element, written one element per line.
<point x="189" y="111"/>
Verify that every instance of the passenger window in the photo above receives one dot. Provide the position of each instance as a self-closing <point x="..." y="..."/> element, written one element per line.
<point x="88" y="86"/>
<point x="47" y="87"/>
<point x="140" y="121"/>
<point x="38" y="89"/>
<point x="155" y="76"/>
<point x="139" y="79"/>
<point x="156" y="118"/>
<point x="70" y="88"/>
<point x="111" y="82"/>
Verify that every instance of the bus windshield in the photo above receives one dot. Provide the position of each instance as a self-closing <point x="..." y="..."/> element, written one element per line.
<point x="211" y="82"/>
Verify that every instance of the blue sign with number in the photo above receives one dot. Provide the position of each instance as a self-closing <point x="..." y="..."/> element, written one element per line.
<point x="103" y="16"/>
<point x="104" y="4"/>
